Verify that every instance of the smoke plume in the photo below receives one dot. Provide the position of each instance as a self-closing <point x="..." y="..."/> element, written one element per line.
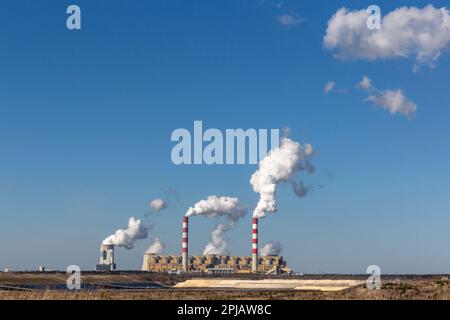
<point x="158" y="204"/>
<point x="156" y="247"/>
<point x="280" y="165"/>
<point x="218" y="244"/>
<point x="127" y="237"/>
<point x="272" y="248"/>
<point x="215" y="206"/>
<point x="299" y="188"/>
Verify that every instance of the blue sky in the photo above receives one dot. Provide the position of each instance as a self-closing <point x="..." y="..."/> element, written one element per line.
<point x="86" y="118"/>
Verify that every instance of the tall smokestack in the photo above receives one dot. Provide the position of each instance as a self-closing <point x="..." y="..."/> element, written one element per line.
<point x="184" y="247"/>
<point x="255" y="245"/>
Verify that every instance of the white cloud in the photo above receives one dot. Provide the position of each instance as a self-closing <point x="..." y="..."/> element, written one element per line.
<point x="329" y="86"/>
<point x="288" y="20"/>
<point x="365" y="83"/>
<point x="393" y="101"/>
<point x="422" y="33"/>
<point x="276" y="4"/>
<point x="158" y="204"/>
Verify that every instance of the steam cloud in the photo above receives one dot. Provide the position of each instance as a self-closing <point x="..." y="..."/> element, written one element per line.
<point x="272" y="248"/>
<point x="158" y="204"/>
<point x="218" y="244"/>
<point x="280" y="165"/>
<point x="127" y="237"/>
<point x="156" y="247"/>
<point x="215" y="207"/>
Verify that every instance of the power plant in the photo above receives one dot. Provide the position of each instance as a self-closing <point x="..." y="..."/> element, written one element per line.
<point x="215" y="264"/>
<point x="208" y="263"/>
<point x="280" y="165"/>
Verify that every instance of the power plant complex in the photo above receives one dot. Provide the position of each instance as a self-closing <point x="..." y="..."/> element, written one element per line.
<point x="278" y="166"/>
<point x="214" y="264"/>
<point x="210" y="263"/>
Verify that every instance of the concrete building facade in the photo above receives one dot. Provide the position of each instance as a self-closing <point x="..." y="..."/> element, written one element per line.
<point x="214" y="264"/>
<point x="106" y="262"/>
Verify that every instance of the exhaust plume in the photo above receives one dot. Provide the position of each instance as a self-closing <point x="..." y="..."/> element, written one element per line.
<point x="158" y="204"/>
<point x="215" y="206"/>
<point x="218" y="244"/>
<point x="280" y="165"/>
<point x="299" y="188"/>
<point x="127" y="237"/>
<point x="272" y="248"/>
<point x="156" y="247"/>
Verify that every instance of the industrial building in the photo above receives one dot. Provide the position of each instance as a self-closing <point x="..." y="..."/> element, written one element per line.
<point x="106" y="262"/>
<point x="214" y="264"/>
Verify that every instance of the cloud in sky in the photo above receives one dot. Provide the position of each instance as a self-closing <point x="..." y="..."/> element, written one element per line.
<point x="393" y="101"/>
<point x="329" y="86"/>
<point x="158" y="204"/>
<point x="289" y="19"/>
<point x="276" y="4"/>
<point x="365" y="83"/>
<point x="422" y="33"/>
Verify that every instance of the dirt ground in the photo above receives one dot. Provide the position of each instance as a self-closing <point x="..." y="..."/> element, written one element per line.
<point x="435" y="287"/>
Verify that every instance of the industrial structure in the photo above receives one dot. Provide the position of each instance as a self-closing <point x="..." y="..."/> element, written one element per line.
<point x="255" y="260"/>
<point x="214" y="264"/>
<point x="106" y="262"/>
<point x="184" y="245"/>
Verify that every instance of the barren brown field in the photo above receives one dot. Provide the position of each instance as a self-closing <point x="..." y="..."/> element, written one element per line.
<point x="409" y="287"/>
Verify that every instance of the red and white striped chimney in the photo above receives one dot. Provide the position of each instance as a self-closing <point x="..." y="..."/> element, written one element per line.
<point x="184" y="245"/>
<point x="255" y="245"/>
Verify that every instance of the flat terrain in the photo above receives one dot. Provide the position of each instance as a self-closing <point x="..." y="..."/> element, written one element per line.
<point x="129" y="285"/>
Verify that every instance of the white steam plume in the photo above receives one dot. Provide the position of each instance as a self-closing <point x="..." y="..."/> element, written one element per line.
<point x="158" y="204"/>
<point x="218" y="244"/>
<point x="156" y="247"/>
<point x="127" y="237"/>
<point x="215" y="206"/>
<point x="272" y="248"/>
<point x="280" y="165"/>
